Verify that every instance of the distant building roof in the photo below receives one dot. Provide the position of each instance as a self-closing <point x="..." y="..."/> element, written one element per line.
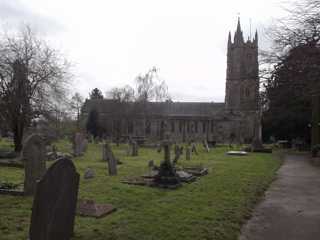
<point x="109" y="106"/>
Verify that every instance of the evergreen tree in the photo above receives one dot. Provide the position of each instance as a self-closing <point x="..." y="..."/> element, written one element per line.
<point x="93" y="123"/>
<point x="96" y="94"/>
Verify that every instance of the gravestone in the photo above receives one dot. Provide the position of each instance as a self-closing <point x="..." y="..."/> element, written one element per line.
<point x="84" y="145"/>
<point x="188" y="153"/>
<point x="193" y="148"/>
<point x="104" y="153"/>
<point x="128" y="150"/>
<point x="89" y="173"/>
<point x="206" y="146"/>
<point x="79" y="144"/>
<point x="34" y="158"/>
<point x="185" y="176"/>
<point x="112" y="161"/>
<point x="178" y="151"/>
<point x="167" y="176"/>
<point x="151" y="164"/>
<point x="237" y="153"/>
<point x="135" y="148"/>
<point x="54" y="204"/>
<point x="89" y="208"/>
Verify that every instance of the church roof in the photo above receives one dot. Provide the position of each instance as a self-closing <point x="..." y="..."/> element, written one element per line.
<point x="108" y="106"/>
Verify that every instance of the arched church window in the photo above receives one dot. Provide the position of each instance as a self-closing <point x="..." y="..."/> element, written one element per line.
<point x="148" y="127"/>
<point x="212" y="126"/>
<point x="247" y="92"/>
<point x="130" y="127"/>
<point x="172" y="126"/>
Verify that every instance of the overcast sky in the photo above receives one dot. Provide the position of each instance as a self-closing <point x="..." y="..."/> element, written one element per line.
<point x="110" y="42"/>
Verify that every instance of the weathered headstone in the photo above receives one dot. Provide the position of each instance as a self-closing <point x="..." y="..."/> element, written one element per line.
<point x="84" y="145"/>
<point x="80" y="144"/>
<point x="151" y="164"/>
<point x="128" y="150"/>
<point x="194" y="148"/>
<point x="135" y="148"/>
<point x="188" y="153"/>
<point x="90" y="208"/>
<point x="54" y="204"/>
<point x="178" y="151"/>
<point x="206" y="146"/>
<point x="34" y="158"/>
<point x="185" y="176"/>
<point x="104" y="153"/>
<point x="112" y="161"/>
<point x="89" y="173"/>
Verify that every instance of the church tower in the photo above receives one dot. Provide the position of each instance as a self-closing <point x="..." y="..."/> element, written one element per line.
<point x="242" y="81"/>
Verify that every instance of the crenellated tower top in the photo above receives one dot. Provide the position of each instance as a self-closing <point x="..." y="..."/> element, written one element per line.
<point x="242" y="81"/>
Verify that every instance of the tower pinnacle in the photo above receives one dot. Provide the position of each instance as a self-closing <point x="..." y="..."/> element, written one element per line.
<point x="238" y="37"/>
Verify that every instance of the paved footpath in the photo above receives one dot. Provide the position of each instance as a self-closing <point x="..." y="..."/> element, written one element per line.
<point x="291" y="207"/>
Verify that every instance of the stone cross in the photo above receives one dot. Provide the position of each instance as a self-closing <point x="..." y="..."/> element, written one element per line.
<point x="167" y="176"/>
<point x="54" y="204"/>
<point x="166" y="146"/>
<point x="34" y="157"/>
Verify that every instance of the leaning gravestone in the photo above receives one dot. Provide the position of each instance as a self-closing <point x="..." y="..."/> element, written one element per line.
<point x="54" y="204"/>
<point x="206" y="146"/>
<point x="34" y="158"/>
<point x="112" y="161"/>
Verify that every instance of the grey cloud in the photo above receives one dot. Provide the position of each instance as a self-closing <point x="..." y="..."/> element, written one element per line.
<point x="14" y="12"/>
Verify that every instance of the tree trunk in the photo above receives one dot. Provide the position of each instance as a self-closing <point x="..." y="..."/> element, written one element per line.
<point x="17" y="137"/>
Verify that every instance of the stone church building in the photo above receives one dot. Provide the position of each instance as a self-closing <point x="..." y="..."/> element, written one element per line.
<point x="235" y="118"/>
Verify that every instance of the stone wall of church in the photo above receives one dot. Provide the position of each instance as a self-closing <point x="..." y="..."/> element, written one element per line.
<point x="215" y="128"/>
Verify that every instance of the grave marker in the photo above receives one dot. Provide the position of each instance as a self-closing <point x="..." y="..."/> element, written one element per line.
<point x="34" y="157"/>
<point x="54" y="204"/>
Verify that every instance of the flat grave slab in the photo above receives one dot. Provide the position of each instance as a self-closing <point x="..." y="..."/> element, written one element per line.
<point x="142" y="181"/>
<point x="237" y="153"/>
<point x="186" y="177"/>
<point x="89" y="208"/>
<point x="196" y="171"/>
<point x="12" y="192"/>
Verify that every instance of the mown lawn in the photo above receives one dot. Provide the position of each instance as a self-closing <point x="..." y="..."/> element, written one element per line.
<point x="214" y="207"/>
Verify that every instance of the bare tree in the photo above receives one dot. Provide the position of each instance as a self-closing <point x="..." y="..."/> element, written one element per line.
<point x="76" y="105"/>
<point x="122" y="94"/>
<point x="32" y="76"/>
<point x="150" y="87"/>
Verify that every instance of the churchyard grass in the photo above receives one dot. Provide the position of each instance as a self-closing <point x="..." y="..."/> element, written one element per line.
<point x="213" y="207"/>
